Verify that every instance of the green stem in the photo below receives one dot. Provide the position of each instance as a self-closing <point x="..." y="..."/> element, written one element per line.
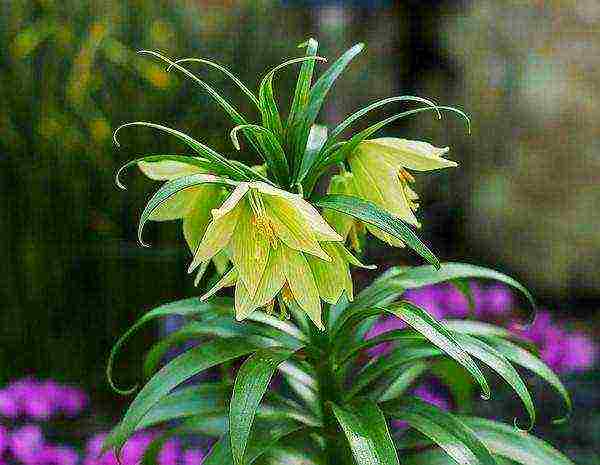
<point x="337" y="451"/>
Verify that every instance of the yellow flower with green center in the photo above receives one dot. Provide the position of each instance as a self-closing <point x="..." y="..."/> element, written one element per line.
<point x="380" y="174"/>
<point x="277" y="242"/>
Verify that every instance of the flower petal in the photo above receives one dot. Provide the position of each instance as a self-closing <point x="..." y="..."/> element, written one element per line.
<point x="177" y="206"/>
<point x="166" y="170"/>
<point x="411" y="154"/>
<point x="198" y="216"/>
<point x="217" y="236"/>
<point x="332" y="278"/>
<point x="249" y="250"/>
<point x="228" y="280"/>
<point x="302" y="284"/>
<point x="296" y="206"/>
<point x="377" y="181"/>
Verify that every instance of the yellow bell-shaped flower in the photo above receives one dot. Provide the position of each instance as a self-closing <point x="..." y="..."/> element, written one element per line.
<point x="269" y="234"/>
<point x="380" y="174"/>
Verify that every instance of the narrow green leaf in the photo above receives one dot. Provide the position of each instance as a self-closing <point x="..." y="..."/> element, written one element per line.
<point x="303" y="83"/>
<point x="441" y="337"/>
<point x="425" y="275"/>
<point x="498" y="362"/>
<point x="251" y="383"/>
<point x="400" y="336"/>
<point x="529" y="361"/>
<point x="317" y="138"/>
<point x="265" y="435"/>
<point x="367" y="433"/>
<point x="403" y="355"/>
<point x="194" y="161"/>
<point x="514" y="444"/>
<point x="225" y="327"/>
<point x="449" y="432"/>
<point x="267" y="104"/>
<point x="360" y="113"/>
<point x="186" y="307"/>
<point x="234" y="114"/>
<point x="400" y="384"/>
<point x="478" y="328"/>
<point x="171" y="188"/>
<point x="224" y="70"/>
<point x="370" y="213"/>
<point x="180" y="369"/>
<point x="272" y="153"/>
<point x="220" y="164"/>
<point x="190" y="401"/>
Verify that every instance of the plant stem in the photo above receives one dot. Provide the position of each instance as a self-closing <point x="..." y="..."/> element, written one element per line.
<point x="337" y="451"/>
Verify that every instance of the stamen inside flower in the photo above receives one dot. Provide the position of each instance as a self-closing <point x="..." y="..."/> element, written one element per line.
<point x="260" y="220"/>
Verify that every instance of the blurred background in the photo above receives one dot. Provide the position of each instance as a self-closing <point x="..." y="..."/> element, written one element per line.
<point x="524" y="200"/>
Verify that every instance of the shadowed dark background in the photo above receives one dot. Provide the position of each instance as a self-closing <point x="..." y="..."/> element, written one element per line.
<point x="524" y="199"/>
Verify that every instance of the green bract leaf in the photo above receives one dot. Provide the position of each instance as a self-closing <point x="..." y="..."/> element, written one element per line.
<point x="367" y="432"/>
<point x="449" y="432"/>
<point x="186" y="307"/>
<point x="514" y="444"/>
<point x="272" y="153"/>
<point x="527" y="360"/>
<point x="224" y="70"/>
<point x="171" y="188"/>
<point x="357" y="115"/>
<point x="180" y="369"/>
<point x="406" y="377"/>
<point x="304" y="81"/>
<point x="268" y="107"/>
<point x="316" y="97"/>
<point x="497" y="362"/>
<point x="251" y="383"/>
<point x="220" y="164"/>
<point x="441" y="337"/>
<point x="403" y="355"/>
<point x="235" y="115"/>
<point x="317" y="137"/>
<point x="370" y="213"/>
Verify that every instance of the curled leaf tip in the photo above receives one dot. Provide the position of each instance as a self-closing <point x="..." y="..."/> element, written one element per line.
<point x="486" y="395"/>
<point x="523" y="430"/>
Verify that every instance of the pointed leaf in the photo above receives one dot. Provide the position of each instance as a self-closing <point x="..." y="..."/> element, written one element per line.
<point x="177" y="371"/>
<point x="186" y="307"/>
<point x="190" y="401"/>
<point x="448" y="431"/>
<point x="442" y="337"/>
<point x="251" y="383"/>
<point x="370" y="213"/>
<point x="192" y="161"/>
<point x="514" y="444"/>
<point x="527" y="360"/>
<point x="497" y="362"/>
<point x="367" y="432"/>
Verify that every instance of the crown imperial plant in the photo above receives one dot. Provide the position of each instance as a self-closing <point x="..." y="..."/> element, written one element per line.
<point x="269" y="232"/>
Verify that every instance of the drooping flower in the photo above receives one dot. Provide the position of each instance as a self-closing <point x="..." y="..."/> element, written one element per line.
<point x="192" y="205"/>
<point x="380" y="174"/>
<point x="277" y="242"/>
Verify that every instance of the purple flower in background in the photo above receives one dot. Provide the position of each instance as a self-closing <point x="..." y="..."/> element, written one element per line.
<point x="4" y="440"/>
<point x="563" y="351"/>
<point x="8" y="405"/>
<point x="27" y="444"/>
<point x="193" y="457"/>
<point x="170" y="453"/>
